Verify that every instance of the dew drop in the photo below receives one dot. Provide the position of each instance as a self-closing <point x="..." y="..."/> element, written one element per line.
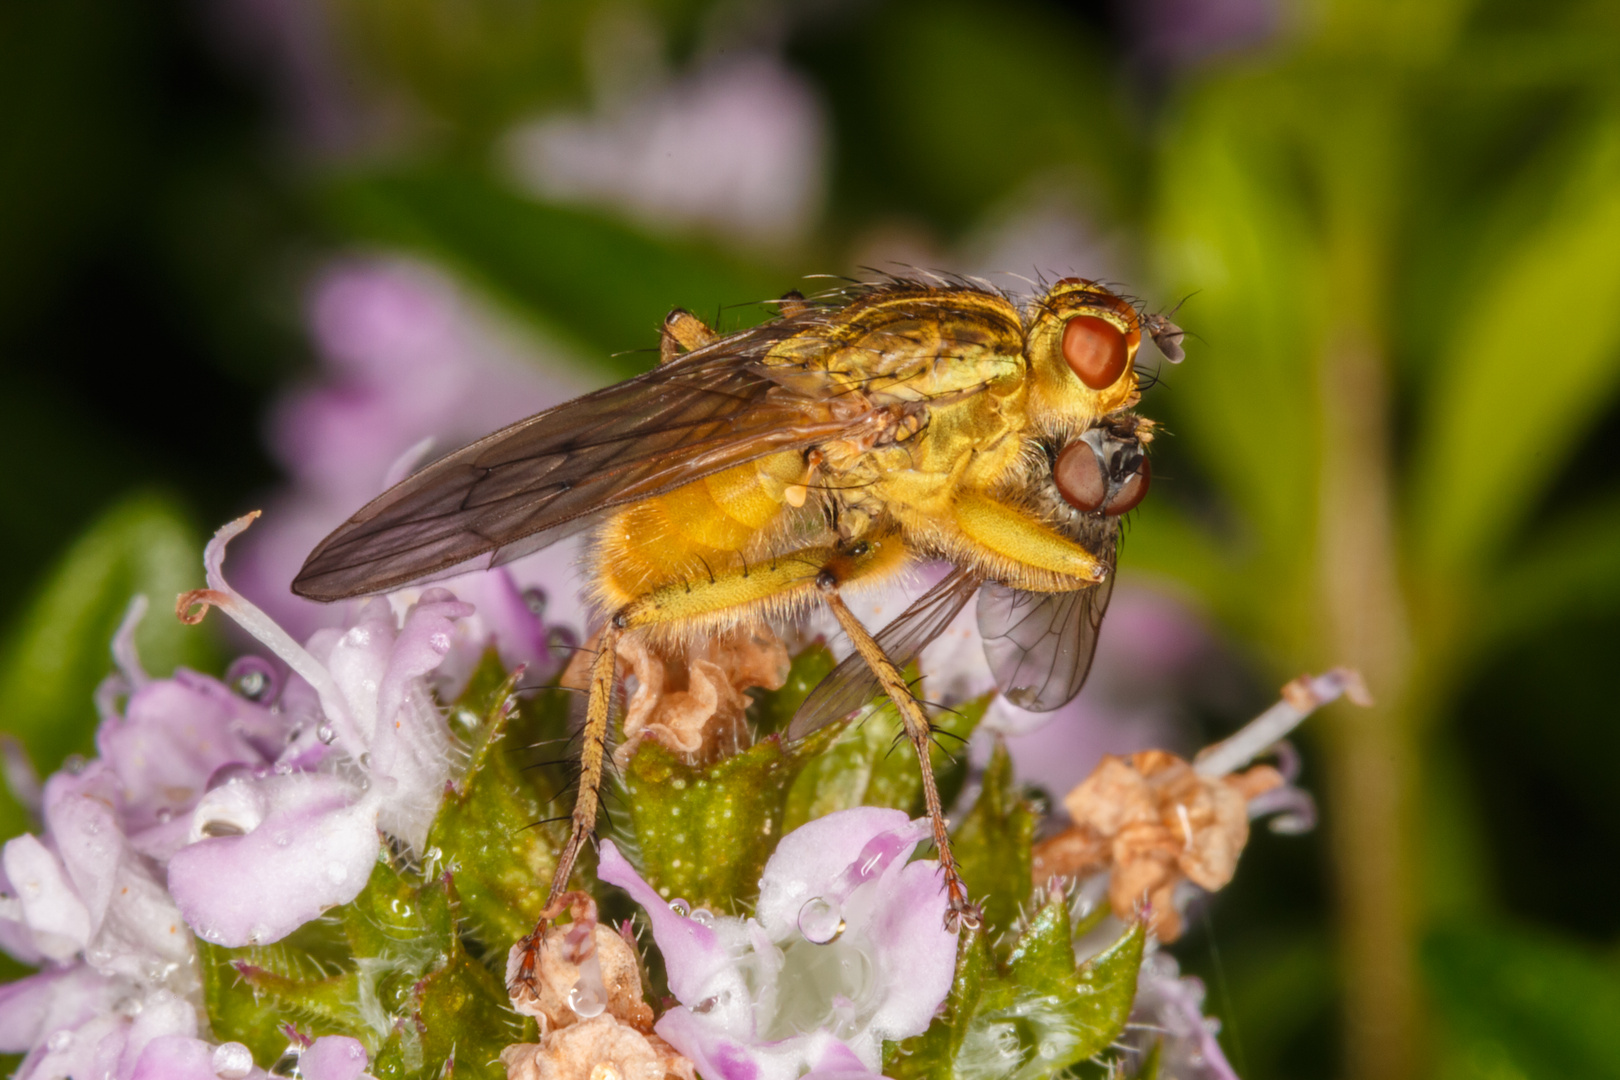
<point x="232" y="1061"/>
<point x="252" y="685"/>
<point x="164" y="815"/>
<point x="59" y="1041"/>
<point x="535" y="601"/>
<point x="326" y="734"/>
<point x="821" y="921"/>
<point x="703" y="916"/>
<point x="680" y="907"/>
<point x="586" y="1001"/>
<point x="253" y="678"/>
<point x="588" y="997"/>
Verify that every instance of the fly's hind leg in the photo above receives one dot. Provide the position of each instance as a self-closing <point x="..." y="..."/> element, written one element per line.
<point x="959" y="911"/>
<point x="598" y="709"/>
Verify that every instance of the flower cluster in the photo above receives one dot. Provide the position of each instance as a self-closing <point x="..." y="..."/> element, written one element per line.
<point x="232" y="815"/>
<point x="236" y="812"/>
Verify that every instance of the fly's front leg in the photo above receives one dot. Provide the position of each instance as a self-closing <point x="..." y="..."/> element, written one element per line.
<point x="959" y="910"/>
<point x="683" y="332"/>
<point x="1023" y="544"/>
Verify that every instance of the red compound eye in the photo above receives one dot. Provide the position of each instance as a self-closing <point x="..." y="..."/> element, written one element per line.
<point x="1095" y="350"/>
<point x="1079" y="477"/>
<point x="1131" y="492"/>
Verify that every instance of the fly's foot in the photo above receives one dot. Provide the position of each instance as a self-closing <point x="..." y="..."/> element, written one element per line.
<point x="962" y="913"/>
<point x="524" y="962"/>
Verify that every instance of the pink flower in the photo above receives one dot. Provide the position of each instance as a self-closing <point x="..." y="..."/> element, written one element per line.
<point x="261" y="818"/>
<point x="736" y="147"/>
<point x="846" y="949"/>
<point x="1169" y="1011"/>
<point x="268" y="849"/>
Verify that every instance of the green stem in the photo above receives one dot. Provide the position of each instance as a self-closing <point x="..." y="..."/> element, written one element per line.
<point x="1374" y="755"/>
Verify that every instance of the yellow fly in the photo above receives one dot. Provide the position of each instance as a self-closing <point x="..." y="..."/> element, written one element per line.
<point x="752" y="476"/>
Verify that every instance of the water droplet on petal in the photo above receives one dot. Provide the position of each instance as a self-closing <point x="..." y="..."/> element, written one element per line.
<point x="232" y="1061"/>
<point x="535" y="601"/>
<point x="164" y="815"/>
<point x="59" y="1041"/>
<point x="585" y="1001"/>
<point x="254" y="678"/>
<point x="680" y="907"/>
<point x="703" y="916"/>
<point x="820" y="920"/>
<point x="326" y="734"/>
<point x="252" y="685"/>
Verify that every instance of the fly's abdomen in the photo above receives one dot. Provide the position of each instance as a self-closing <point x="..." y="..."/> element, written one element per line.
<point x="698" y="531"/>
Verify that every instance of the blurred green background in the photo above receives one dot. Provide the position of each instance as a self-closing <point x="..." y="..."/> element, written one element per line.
<point x="1394" y="443"/>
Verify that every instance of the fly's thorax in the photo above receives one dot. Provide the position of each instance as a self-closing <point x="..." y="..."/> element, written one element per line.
<point x="1081" y="342"/>
<point x="904" y="344"/>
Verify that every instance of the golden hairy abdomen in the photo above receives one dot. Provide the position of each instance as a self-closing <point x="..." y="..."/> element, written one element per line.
<point x="699" y="530"/>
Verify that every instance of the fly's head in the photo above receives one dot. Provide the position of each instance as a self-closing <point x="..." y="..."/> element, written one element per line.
<point x="1081" y="342"/>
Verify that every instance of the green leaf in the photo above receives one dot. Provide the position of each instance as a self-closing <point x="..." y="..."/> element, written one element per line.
<point x="488" y="829"/>
<point x="703" y="832"/>
<point x="1572" y="569"/>
<point x="388" y="969"/>
<point x="307" y="979"/>
<point x="993" y="844"/>
<point x="1032" y="1017"/>
<point x="871" y="764"/>
<point x="592" y="279"/>
<point x="59" y="652"/>
<point x="1502" y="417"/>
<point x="1525" y="1004"/>
<point x="445" y="1006"/>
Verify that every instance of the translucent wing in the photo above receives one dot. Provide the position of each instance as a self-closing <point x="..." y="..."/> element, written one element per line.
<point x="528" y="485"/>
<point x="852" y="684"/>
<point x="1040" y="645"/>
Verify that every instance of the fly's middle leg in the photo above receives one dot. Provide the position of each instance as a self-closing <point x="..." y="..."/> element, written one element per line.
<point x="960" y="910"/>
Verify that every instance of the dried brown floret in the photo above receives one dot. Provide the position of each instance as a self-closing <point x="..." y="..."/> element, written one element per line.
<point x="601" y="1048"/>
<point x="1153" y="822"/>
<point x="582" y="981"/>
<point x="547" y="976"/>
<point x="692" y="700"/>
